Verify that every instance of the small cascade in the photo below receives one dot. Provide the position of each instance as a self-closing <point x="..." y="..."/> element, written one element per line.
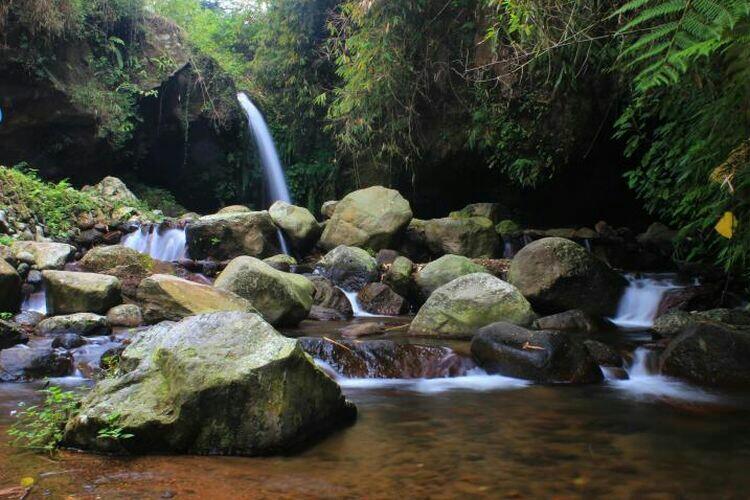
<point x="587" y="244"/>
<point x="166" y="244"/>
<point x="36" y="302"/>
<point x="357" y="310"/>
<point x="508" y="251"/>
<point x="87" y="358"/>
<point x="640" y="302"/>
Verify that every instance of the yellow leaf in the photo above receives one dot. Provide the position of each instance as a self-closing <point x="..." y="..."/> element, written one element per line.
<point x="27" y="482"/>
<point x="726" y="225"/>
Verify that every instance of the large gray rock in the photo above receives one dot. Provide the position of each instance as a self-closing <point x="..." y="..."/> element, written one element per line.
<point x="281" y="298"/>
<point x="674" y="322"/>
<point x="113" y="189"/>
<point x="328" y="296"/>
<point x="222" y="383"/>
<point x="86" y="324"/>
<point x="444" y="270"/>
<point x="473" y="237"/>
<point x="297" y="223"/>
<point x="127" y="315"/>
<point x="165" y="297"/>
<point x="71" y="292"/>
<point x="541" y="356"/>
<point x="10" y="288"/>
<point x="372" y="218"/>
<point x="26" y="363"/>
<point x="572" y="321"/>
<point x="43" y="255"/>
<point x="461" y="307"/>
<point x="229" y="235"/>
<point x="557" y="275"/>
<point x="398" y="276"/>
<point x="351" y="268"/>
<point x="378" y="298"/>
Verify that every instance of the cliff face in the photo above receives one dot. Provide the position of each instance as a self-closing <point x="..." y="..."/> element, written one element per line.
<point x="137" y="103"/>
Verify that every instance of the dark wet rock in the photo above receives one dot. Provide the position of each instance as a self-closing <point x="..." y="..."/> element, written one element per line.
<point x="604" y="230"/>
<point x="414" y="243"/>
<point x="443" y="270"/>
<point x="367" y="329"/>
<point x="387" y="359"/>
<point x="573" y="321"/>
<point x="658" y="236"/>
<point x="127" y="315"/>
<point x="557" y="275"/>
<point x="710" y="354"/>
<point x="281" y="262"/>
<point x="10" y="288"/>
<point x="378" y="298"/>
<point x="541" y="356"/>
<point x="351" y="268"/>
<point x="281" y="298"/>
<point x="492" y="211"/>
<point x="328" y="296"/>
<point x="221" y="383"/>
<point x="319" y="313"/>
<point x="28" y="319"/>
<point x="86" y="324"/>
<point x="35" y="278"/>
<point x="385" y="258"/>
<point x="112" y="237"/>
<point x="23" y="270"/>
<point x="26" y="363"/>
<point x="71" y="292"/>
<point x="603" y="354"/>
<point x="226" y="236"/>
<point x="298" y="224"/>
<point x="398" y="275"/>
<point x="89" y="238"/>
<point x="673" y="322"/>
<point x="691" y="298"/>
<point x="11" y="334"/>
<point x="68" y="341"/>
<point x="459" y="308"/>
<point x="473" y="237"/>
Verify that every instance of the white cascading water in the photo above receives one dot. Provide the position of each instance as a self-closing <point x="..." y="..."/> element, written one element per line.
<point x="269" y="158"/>
<point x="640" y="302"/>
<point x="35" y="302"/>
<point x="357" y="310"/>
<point x="161" y="244"/>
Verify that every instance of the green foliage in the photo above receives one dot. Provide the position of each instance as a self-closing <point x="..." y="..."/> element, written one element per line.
<point x="41" y="427"/>
<point x="6" y="316"/>
<point x="158" y="199"/>
<point x="6" y="240"/>
<point x="113" y="431"/>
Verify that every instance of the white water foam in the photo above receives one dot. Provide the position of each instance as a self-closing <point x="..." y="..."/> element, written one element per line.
<point x="357" y="310"/>
<point x="36" y="302"/>
<point x="640" y="302"/>
<point x="161" y="244"/>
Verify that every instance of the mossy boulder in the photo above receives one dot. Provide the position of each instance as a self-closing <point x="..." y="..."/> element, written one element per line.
<point x="473" y="237"/>
<point x="85" y="324"/>
<point x="399" y="276"/>
<point x="105" y="259"/>
<point x="674" y="322"/>
<point x="462" y="306"/>
<point x="11" y="334"/>
<point x="281" y="298"/>
<point x="491" y="211"/>
<point x="44" y="255"/>
<point x="234" y="209"/>
<point x="282" y="262"/>
<point x="113" y="190"/>
<point x="229" y="235"/>
<point x="372" y="218"/>
<point x="10" y="288"/>
<point x="71" y="292"/>
<point x="349" y="267"/>
<point x="221" y="383"/>
<point x="164" y="297"/>
<point x="557" y="275"/>
<point x="508" y="229"/>
<point x="444" y="270"/>
<point x="127" y="315"/>
<point x="297" y="223"/>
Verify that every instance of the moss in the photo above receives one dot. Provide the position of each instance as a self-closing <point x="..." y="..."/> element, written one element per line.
<point x="507" y="228"/>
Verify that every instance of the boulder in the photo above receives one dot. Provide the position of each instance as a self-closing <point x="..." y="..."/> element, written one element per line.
<point x="26" y="363"/>
<point x="491" y="211"/>
<point x="349" y="267"/>
<point x="508" y="229"/>
<point x="372" y="218"/>
<point x="414" y="243"/>
<point x="165" y="297"/>
<point x="328" y="296"/>
<point x="71" y="292"/>
<point x="658" y="236"/>
<point x="328" y="208"/>
<point x="572" y="321"/>
<point x="44" y="255"/>
<point x="281" y="262"/>
<point x="710" y="354"/>
<point x="226" y="236"/>
<point x="107" y="259"/>
<point x="127" y="315"/>
<point x="222" y="383"/>
<point x="113" y="189"/>
<point x="603" y="354"/>
<point x="459" y="308"/>
<point x="68" y="341"/>
<point x="11" y="334"/>
<point x="471" y="237"/>
<point x="540" y="356"/>
<point x="399" y="277"/>
<point x="281" y="298"/>
<point x="674" y="322"/>
<point x="557" y="275"/>
<point x="28" y="319"/>
<point x="10" y="288"/>
<point x="86" y="324"/>
<point x="297" y="223"/>
<point x="443" y="270"/>
<point x="234" y="209"/>
<point x="378" y="298"/>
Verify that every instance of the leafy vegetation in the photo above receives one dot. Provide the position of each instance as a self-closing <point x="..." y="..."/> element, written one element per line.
<point x="41" y="427"/>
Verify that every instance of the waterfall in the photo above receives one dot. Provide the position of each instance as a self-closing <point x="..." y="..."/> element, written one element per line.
<point x="36" y="302"/>
<point x="357" y="310"/>
<point x="269" y="158"/>
<point x="640" y="302"/>
<point x="161" y="244"/>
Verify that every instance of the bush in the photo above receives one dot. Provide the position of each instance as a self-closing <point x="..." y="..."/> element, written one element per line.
<point x="41" y="427"/>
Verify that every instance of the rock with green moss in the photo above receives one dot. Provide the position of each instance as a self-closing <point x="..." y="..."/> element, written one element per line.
<point x="234" y="209"/>
<point x="282" y="262"/>
<point x="444" y="270"/>
<point x="10" y="288"/>
<point x="297" y="223"/>
<point x="281" y="298"/>
<point x="399" y="276"/>
<point x="557" y="275"/>
<point x="113" y="190"/>
<point x="164" y="297"/>
<point x="229" y="235"/>
<point x="351" y="268"/>
<point x="674" y="322"/>
<point x="459" y="308"/>
<point x="222" y="383"/>
<point x="508" y="229"/>
<point x="43" y="255"/>
<point x="128" y="265"/>
<point x="473" y="237"/>
<point x="71" y="292"/>
<point x="373" y="218"/>
<point x="86" y="324"/>
<point x="491" y="211"/>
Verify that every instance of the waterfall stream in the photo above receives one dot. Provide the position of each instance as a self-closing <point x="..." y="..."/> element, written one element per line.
<point x="161" y="244"/>
<point x="640" y="302"/>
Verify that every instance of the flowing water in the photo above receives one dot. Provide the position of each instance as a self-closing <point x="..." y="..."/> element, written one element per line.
<point x="640" y="302"/>
<point x="36" y="302"/>
<point x="166" y="244"/>
<point x="357" y="310"/>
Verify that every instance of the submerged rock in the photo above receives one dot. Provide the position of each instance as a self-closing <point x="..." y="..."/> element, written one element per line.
<point x="351" y="268"/>
<point x="164" y="297"/>
<point x="71" y="292"/>
<point x="328" y="296"/>
<point x="68" y="341"/>
<point x="10" y="288"/>
<point x="444" y="270"/>
<point x="572" y="321"/>
<point x="229" y="235"/>
<point x="459" y="308"/>
<point x="222" y="383"/>
<point x="297" y="223"/>
<point x="541" y="356"/>
<point x="358" y="330"/>
<point x="603" y="354"/>
<point x="473" y="237"/>
<point x="27" y="363"/>
<point x="43" y="255"/>
<point x="372" y="218"/>
<point x="378" y="298"/>
<point x="86" y="324"/>
<point x="281" y="298"/>
<point x="557" y="275"/>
